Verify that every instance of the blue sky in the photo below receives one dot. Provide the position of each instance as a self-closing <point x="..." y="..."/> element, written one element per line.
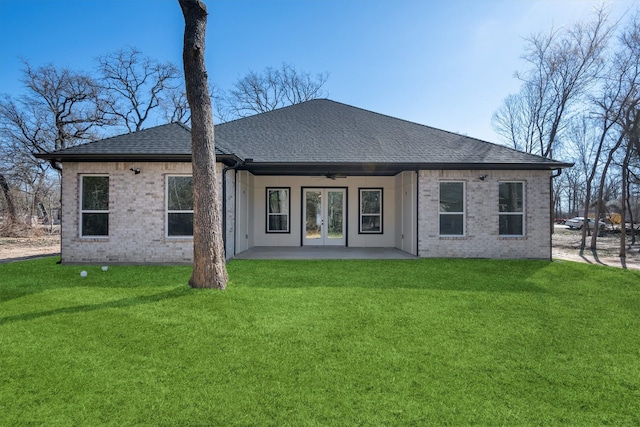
<point x="443" y="63"/>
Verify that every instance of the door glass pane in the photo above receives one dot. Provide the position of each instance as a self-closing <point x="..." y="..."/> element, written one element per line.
<point x="313" y="220"/>
<point x="335" y="215"/>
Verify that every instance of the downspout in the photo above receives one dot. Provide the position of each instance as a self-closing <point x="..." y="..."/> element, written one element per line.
<point x="235" y="211"/>
<point x="224" y="204"/>
<point x="417" y="213"/>
<point x="551" y="216"/>
<point x="62" y="241"/>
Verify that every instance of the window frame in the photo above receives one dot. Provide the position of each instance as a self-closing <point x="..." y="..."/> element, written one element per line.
<point x="361" y="214"/>
<point x="168" y="211"/>
<point x="513" y="213"/>
<point x="463" y="213"/>
<point x="83" y="211"/>
<point x="268" y="213"/>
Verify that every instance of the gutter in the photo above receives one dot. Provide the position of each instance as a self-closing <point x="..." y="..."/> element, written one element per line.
<point x="228" y="159"/>
<point x="369" y="169"/>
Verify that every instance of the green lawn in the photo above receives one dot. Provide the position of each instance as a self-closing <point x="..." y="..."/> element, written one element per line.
<point x="310" y="343"/>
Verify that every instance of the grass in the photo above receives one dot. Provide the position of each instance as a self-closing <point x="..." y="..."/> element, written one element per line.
<point x="307" y="343"/>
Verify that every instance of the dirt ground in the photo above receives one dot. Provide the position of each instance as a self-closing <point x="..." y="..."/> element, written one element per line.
<point x="18" y="248"/>
<point x="566" y="244"/>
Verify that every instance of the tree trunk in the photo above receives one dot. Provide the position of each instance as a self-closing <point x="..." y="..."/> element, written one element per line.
<point x="209" y="269"/>
<point x="624" y="202"/>
<point x="630" y="210"/>
<point x="585" y="214"/>
<point x="11" y="210"/>
<point x="603" y="178"/>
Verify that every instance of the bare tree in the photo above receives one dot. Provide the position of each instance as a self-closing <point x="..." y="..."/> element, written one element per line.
<point x="220" y="107"/>
<point x="624" y="201"/>
<point x="11" y="209"/>
<point x="60" y="108"/>
<point x="175" y="107"/>
<point x="563" y="66"/>
<point x="633" y="198"/>
<point x="136" y="85"/>
<point x="572" y="183"/>
<point x="619" y="107"/>
<point x="632" y="132"/>
<point x="585" y="143"/>
<point x="591" y="148"/>
<point x="301" y="86"/>
<point x="209" y="269"/>
<point x="273" y="88"/>
<point x="515" y="120"/>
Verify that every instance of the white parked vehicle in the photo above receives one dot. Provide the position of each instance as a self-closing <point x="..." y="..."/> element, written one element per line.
<point x="578" y="221"/>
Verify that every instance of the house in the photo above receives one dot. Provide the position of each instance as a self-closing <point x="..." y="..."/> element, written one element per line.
<point x="316" y="173"/>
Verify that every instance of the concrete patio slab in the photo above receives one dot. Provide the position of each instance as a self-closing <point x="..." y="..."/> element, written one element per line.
<point x="322" y="252"/>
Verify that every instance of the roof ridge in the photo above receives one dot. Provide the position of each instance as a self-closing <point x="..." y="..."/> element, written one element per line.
<point x="219" y="146"/>
<point x="275" y="110"/>
<point x="182" y="125"/>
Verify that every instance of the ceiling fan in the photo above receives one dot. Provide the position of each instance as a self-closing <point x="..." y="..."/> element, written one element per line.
<point x="334" y="175"/>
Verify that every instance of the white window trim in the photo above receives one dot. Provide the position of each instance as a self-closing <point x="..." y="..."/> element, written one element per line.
<point x="288" y="213"/>
<point x="361" y="214"/>
<point x="166" y="207"/>
<point x="464" y="210"/>
<point x="82" y="211"/>
<point x="524" y="208"/>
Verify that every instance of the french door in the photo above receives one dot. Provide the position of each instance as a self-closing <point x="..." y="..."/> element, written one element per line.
<point x="323" y="210"/>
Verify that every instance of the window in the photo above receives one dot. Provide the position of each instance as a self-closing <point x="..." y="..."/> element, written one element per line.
<point x="94" y="206"/>
<point x="451" y="208"/>
<point x="277" y="210"/>
<point x="511" y="208"/>
<point x="179" y="206"/>
<point x="370" y="210"/>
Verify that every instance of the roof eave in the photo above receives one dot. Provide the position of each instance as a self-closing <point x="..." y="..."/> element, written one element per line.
<point x="267" y="168"/>
<point x="228" y="159"/>
<point x="304" y="168"/>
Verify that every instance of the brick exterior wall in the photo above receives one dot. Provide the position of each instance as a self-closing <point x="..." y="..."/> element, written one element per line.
<point x="137" y="215"/>
<point x="482" y="239"/>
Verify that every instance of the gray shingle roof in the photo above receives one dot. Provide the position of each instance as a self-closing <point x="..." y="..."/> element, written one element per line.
<point x="172" y="140"/>
<point x="324" y="131"/>
<point x="317" y="134"/>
